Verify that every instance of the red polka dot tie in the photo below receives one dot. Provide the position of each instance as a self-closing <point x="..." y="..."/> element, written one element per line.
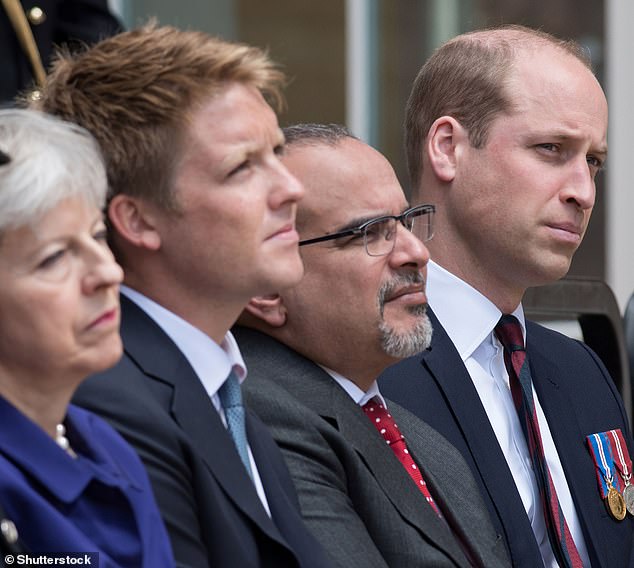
<point x="386" y="426"/>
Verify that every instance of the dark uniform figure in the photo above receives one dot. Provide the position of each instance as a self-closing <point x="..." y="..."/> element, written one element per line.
<point x="52" y="23"/>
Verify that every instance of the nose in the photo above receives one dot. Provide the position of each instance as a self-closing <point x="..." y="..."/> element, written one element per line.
<point x="580" y="186"/>
<point x="102" y="270"/>
<point x="409" y="250"/>
<point x="286" y="187"/>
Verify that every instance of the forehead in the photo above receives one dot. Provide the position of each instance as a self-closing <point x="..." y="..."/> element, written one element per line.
<point x="68" y="217"/>
<point x="235" y="117"/>
<point x="551" y="89"/>
<point x="347" y="181"/>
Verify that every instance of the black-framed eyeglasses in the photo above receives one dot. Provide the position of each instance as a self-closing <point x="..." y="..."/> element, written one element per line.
<point x="379" y="234"/>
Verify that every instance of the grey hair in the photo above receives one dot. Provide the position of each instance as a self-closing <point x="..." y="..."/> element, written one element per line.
<point x="46" y="161"/>
<point x="308" y="134"/>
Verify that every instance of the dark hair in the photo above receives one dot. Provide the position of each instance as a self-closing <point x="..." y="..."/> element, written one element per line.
<point x="314" y="133"/>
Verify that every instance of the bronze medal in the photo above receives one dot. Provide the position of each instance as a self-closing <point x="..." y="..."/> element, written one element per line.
<point x="615" y="504"/>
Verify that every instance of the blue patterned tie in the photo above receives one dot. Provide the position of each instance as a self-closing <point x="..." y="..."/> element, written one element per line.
<point x="509" y="332"/>
<point x="231" y="399"/>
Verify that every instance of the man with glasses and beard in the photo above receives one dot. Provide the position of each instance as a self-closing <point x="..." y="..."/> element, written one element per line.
<point x="377" y="486"/>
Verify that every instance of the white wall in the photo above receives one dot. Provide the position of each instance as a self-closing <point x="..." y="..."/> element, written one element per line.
<point x="620" y="164"/>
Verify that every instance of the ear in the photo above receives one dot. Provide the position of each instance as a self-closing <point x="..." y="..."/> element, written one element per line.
<point x="270" y="309"/>
<point x="443" y="146"/>
<point x="133" y="220"/>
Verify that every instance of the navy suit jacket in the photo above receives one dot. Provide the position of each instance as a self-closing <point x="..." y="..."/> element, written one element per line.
<point x="578" y="398"/>
<point x="208" y="502"/>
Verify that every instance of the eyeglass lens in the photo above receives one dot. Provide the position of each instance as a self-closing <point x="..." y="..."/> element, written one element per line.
<point x="380" y="235"/>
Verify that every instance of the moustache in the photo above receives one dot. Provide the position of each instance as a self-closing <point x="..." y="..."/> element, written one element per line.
<point x="399" y="281"/>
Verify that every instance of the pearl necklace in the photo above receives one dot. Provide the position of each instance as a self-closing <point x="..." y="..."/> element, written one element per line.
<point x="62" y="440"/>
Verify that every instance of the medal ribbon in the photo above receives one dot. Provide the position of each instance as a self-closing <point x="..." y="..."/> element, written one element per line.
<point x="603" y="459"/>
<point x="619" y="449"/>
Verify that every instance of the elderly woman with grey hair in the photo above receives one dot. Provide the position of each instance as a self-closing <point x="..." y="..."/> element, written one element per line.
<point x="68" y="481"/>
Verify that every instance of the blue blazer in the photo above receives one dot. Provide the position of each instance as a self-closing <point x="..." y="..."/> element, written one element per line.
<point x="100" y="502"/>
<point x="578" y="398"/>
<point x="210" y="506"/>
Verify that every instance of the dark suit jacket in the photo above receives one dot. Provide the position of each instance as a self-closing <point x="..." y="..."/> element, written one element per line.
<point x="355" y="495"/>
<point x="208" y="502"/>
<point x="66" y="22"/>
<point x="578" y="398"/>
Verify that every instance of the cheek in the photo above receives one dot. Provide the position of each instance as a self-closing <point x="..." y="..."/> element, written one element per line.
<point x="32" y="330"/>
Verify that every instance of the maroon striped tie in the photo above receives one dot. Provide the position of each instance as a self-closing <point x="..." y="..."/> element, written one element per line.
<point x="509" y="332"/>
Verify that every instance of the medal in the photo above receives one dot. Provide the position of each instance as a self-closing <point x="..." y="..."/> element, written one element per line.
<point x="615" y="504"/>
<point x="628" y="497"/>
<point x="608" y="484"/>
<point x="624" y="467"/>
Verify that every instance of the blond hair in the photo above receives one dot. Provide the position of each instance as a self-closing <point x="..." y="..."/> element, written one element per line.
<point x="135" y="92"/>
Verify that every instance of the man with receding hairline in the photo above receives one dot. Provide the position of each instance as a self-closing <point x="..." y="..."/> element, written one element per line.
<point x="202" y="213"/>
<point x="506" y="130"/>
<point x="377" y="486"/>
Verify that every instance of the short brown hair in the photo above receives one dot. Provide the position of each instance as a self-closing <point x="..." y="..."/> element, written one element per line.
<point x="465" y="78"/>
<point x="135" y="92"/>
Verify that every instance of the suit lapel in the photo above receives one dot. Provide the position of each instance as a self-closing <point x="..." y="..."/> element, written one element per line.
<point x="451" y="482"/>
<point x="387" y="470"/>
<point x="317" y="390"/>
<point x="569" y="440"/>
<point x="446" y="368"/>
<point x="161" y="360"/>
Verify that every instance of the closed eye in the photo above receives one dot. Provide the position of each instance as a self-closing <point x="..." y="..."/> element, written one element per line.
<point x="52" y="259"/>
<point x="242" y="166"/>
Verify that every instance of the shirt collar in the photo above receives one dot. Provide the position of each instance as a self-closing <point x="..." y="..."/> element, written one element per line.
<point x="211" y="362"/>
<point x="359" y="396"/>
<point x="467" y="316"/>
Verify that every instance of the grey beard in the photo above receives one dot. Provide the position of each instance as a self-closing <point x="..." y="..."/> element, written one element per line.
<point x="401" y="345"/>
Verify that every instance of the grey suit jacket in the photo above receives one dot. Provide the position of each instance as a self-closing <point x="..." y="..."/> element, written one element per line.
<point x="355" y="495"/>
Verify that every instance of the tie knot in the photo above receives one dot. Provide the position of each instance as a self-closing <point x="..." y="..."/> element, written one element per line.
<point x="509" y="331"/>
<point x="383" y="421"/>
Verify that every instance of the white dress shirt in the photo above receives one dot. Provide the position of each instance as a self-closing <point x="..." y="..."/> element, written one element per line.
<point x="469" y="319"/>
<point x="355" y="393"/>
<point x="211" y="362"/>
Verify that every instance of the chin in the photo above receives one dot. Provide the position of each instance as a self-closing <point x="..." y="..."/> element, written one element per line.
<point x="109" y="353"/>
<point x="554" y="271"/>
<point x="286" y="275"/>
